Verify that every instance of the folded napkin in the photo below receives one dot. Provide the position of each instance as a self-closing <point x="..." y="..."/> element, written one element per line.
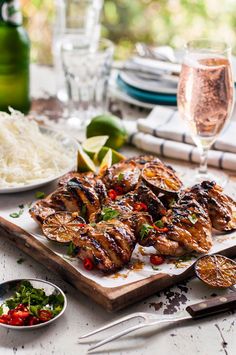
<point x="164" y="133"/>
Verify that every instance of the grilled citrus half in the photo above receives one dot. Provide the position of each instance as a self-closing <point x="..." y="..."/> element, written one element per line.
<point x="216" y="270"/>
<point x="62" y="226"/>
<point x="161" y="177"/>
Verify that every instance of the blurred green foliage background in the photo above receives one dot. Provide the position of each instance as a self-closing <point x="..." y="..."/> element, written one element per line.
<point x="127" y="21"/>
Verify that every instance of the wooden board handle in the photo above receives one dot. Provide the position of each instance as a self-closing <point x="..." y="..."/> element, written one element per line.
<point x="213" y="305"/>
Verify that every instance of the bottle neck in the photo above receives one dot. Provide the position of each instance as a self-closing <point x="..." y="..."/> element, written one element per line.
<point x="10" y="12"/>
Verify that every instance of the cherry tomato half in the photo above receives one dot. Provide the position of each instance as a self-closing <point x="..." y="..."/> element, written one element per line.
<point x="44" y="315"/>
<point x="156" y="259"/>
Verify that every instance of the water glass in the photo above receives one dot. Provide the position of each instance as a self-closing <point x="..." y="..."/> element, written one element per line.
<point x="87" y="70"/>
<point x="74" y="17"/>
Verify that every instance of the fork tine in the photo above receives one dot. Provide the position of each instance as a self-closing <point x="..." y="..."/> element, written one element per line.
<point x="116" y="336"/>
<point x="112" y="324"/>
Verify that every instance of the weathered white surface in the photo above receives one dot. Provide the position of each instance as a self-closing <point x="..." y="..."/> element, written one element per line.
<point x="211" y="336"/>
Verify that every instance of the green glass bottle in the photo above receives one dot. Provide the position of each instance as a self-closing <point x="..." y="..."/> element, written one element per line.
<point x="14" y="58"/>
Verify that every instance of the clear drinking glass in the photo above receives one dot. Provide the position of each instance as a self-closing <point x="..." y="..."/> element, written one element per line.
<point x="87" y="71"/>
<point x="206" y="98"/>
<point x="74" y="17"/>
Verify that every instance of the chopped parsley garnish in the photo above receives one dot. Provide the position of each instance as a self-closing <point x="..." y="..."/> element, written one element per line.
<point x="193" y="218"/>
<point x="71" y="250"/>
<point x="108" y="213"/>
<point x="20" y="261"/>
<point x="172" y="202"/>
<point x="83" y="211"/>
<point x="155" y="267"/>
<point x="144" y="231"/>
<point x="18" y="214"/>
<point x="159" y="223"/>
<point x="120" y="177"/>
<point x="39" y="194"/>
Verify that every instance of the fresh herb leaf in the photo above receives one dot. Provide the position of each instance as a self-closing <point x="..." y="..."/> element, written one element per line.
<point x="108" y="213"/>
<point x="120" y="177"/>
<point x="39" y="194"/>
<point x="20" y="261"/>
<point x="71" y="250"/>
<point x="193" y="218"/>
<point x="172" y="202"/>
<point x="155" y="267"/>
<point x="159" y="223"/>
<point x="14" y="215"/>
<point x="144" y="231"/>
<point x="83" y="211"/>
<point x="1" y="310"/>
<point x="93" y="224"/>
<point x="17" y="214"/>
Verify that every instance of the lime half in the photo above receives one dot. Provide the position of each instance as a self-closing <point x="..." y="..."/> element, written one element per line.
<point x="106" y="162"/>
<point x="84" y="162"/>
<point x="94" y="144"/>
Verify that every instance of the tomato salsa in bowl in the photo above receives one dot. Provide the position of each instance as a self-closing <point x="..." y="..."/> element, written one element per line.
<point x="30" y="303"/>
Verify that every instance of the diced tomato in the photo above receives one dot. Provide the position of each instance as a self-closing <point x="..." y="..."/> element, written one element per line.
<point x="32" y="320"/>
<point x="5" y="318"/>
<point x="160" y="230"/>
<point x="119" y="190"/>
<point x="21" y="307"/>
<point x="20" y="314"/>
<point x="44" y="315"/>
<point x="112" y="194"/>
<point x="156" y="259"/>
<point x="16" y="321"/>
<point x="88" y="264"/>
<point x="140" y="206"/>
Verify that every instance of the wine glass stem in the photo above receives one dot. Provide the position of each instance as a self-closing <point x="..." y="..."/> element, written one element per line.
<point x="203" y="162"/>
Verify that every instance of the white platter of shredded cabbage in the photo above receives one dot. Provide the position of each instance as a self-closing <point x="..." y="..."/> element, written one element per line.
<point x="32" y="155"/>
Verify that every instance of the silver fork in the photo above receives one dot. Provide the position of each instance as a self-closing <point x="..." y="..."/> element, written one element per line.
<point x="207" y="307"/>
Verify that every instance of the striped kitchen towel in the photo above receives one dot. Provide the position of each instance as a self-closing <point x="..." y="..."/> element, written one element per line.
<point x="165" y="134"/>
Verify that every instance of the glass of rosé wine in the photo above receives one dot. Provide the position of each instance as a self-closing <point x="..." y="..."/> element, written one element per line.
<point x="206" y="98"/>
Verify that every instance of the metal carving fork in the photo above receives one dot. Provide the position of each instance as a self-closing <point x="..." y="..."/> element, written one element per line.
<point x="202" y="309"/>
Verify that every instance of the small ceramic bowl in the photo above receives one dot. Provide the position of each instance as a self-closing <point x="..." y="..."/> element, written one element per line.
<point x="8" y="288"/>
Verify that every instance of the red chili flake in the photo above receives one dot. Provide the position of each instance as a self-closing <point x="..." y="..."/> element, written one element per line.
<point x="140" y="206"/>
<point x="160" y="230"/>
<point x="81" y="224"/>
<point x="112" y="194"/>
<point x="163" y="211"/>
<point x="88" y="264"/>
<point x="119" y="190"/>
<point x="156" y="259"/>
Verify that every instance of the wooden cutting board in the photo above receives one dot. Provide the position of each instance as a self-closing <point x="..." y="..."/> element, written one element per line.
<point x="112" y="299"/>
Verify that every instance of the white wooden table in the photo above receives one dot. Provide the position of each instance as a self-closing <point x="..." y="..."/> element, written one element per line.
<point x="211" y="336"/>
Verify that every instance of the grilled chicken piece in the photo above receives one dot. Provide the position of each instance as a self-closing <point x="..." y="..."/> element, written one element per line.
<point x="80" y="194"/>
<point x="84" y="192"/>
<point x="42" y="209"/>
<point x="124" y="175"/>
<point x="154" y="205"/>
<point x="109" y="245"/>
<point x="74" y="174"/>
<point x="221" y="208"/>
<point x="186" y="228"/>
